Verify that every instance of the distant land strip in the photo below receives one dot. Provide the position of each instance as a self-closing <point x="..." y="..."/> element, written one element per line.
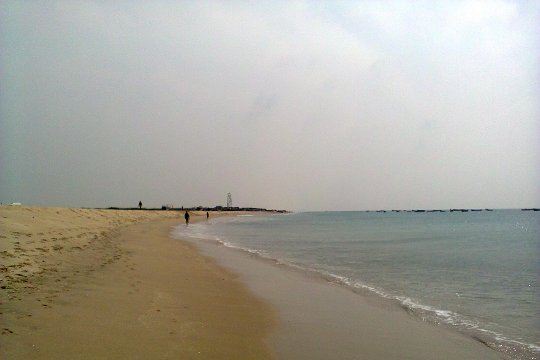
<point x="224" y="208"/>
<point x="199" y="208"/>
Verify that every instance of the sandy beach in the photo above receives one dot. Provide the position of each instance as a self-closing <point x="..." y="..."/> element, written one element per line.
<point x="109" y="284"/>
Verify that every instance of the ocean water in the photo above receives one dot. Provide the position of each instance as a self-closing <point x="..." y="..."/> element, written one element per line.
<point x="477" y="272"/>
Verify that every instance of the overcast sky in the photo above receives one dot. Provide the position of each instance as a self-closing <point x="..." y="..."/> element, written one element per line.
<point x="303" y="105"/>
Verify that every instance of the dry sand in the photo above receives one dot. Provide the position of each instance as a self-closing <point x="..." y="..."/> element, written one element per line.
<point x="82" y="284"/>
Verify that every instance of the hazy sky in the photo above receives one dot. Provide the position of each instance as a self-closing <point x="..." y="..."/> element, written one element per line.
<point x="303" y="105"/>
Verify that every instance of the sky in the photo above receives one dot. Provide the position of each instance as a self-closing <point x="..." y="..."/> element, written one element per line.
<point x="298" y="105"/>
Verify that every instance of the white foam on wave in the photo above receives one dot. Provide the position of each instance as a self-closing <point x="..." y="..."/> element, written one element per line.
<point x="441" y="316"/>
<point x="425" y="312"/>
<point x="245" y="249"/>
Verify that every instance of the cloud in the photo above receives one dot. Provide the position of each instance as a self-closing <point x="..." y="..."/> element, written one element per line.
<point x="285" y="104"/>
<point x="473" y="13"/>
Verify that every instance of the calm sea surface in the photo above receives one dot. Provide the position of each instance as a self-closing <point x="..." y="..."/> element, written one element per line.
<point x="474" y="271"/>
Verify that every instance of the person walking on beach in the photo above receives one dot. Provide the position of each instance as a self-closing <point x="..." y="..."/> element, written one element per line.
<point x="140" y="204"/>
<point x="186" y="216"/>
<point x="207" y="215"/>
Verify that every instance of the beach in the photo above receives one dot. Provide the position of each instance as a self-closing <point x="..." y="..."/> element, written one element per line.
<point x="473" y="273"/>
<point x="86" y="284"/>
<point x="319" y="319"/>
<point x="109" y="284"/>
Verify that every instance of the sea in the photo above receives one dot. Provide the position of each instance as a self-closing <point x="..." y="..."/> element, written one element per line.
<point x="474" y="271"/>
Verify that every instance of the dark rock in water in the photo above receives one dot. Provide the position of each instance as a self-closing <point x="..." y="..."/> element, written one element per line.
<point x="531" y="209"/>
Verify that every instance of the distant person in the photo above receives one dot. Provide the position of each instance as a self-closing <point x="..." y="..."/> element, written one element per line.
<point x="186" y="216"/>
<point x="207" y="215"/>
<point x="140" y="204"/>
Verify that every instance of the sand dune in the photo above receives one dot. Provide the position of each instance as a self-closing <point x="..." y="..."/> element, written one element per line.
<point x="39" y="243"/>
<point x="87" y="284"/>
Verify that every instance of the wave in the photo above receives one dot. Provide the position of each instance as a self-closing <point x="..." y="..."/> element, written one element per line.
<point x="472" y="328"/>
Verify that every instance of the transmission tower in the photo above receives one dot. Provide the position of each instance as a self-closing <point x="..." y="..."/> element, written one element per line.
<point x="229" y="200"/>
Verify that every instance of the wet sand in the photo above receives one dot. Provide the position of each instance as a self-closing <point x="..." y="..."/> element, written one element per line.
<point x="109" y="284"/>
<point x="319" y="319"/>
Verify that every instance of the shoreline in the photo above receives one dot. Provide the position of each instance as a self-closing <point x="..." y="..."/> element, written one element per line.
<point x="80" y="283"/>
<point x="321" y="319"/>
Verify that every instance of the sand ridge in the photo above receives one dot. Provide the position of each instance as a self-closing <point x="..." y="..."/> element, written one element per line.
<point x="57" y="243"/>
<point x="81" y="283"/>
